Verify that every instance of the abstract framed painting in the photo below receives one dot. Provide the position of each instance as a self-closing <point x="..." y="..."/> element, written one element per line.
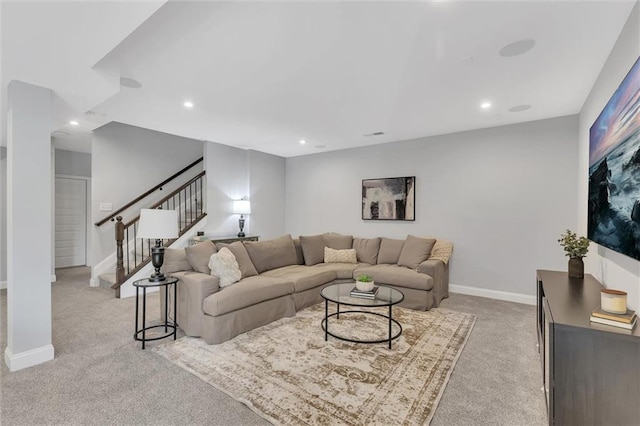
<point x="389" y="198"/>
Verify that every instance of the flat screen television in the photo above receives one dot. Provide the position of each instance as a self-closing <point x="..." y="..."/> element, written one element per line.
<point x="614" y="170"/>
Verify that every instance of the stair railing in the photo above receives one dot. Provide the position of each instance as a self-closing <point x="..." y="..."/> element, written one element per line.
<point x="132" y="254"/>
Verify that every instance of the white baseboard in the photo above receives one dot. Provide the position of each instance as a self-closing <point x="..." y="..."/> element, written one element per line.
<point x="3" y="285"/>
<point x="27" y="359"/>
<point x="54" y="278"/>
<point x="493" y="294"/>
<point x="94" y="282"/>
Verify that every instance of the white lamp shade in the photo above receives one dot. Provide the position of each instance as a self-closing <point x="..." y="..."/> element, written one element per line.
<point x="242" y="207"/>
<point x="158" y="224"/>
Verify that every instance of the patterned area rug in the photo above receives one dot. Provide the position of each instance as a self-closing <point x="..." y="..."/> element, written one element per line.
<point x="289" y="375"/>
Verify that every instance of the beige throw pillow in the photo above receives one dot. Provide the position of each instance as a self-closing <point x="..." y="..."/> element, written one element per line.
<point x="224" y="265"/>
<point x="339" y="256"/>
<point x="199" y="255"/>
<point x="415" y="251"/>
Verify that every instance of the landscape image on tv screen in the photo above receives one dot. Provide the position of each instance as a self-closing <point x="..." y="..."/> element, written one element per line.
<point x="614" y="170"/>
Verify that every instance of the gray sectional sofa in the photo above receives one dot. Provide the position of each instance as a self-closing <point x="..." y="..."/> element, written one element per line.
<point x="284" y="275"/>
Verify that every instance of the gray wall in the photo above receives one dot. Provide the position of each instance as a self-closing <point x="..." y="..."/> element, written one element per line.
<point x="234" y="173"/>
<point x="73" y="163"/>
<point x="267" y="189"/>
<point x="126" y="161"/>
<point x="501" y="195"/>
<point x="3" y="216"/>
<point x="613" y="269"/>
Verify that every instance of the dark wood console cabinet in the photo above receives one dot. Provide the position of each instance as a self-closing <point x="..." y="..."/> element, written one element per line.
<point x="591" y="372"/>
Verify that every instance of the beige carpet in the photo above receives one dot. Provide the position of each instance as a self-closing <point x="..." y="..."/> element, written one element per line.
<point x="289" y="375"/>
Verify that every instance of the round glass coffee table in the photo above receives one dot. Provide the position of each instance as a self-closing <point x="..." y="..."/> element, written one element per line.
<point x="340" y="294"/>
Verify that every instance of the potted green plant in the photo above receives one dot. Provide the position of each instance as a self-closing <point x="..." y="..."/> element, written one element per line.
<point x="576" y="248"/>
<point x="364" y="282"/>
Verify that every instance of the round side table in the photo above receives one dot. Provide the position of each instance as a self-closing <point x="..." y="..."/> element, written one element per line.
<point x="170" y="328"/>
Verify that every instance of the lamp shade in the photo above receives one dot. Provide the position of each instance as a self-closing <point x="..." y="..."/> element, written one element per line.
<point x="158" y="224"/>
<point x="242" y="207"/>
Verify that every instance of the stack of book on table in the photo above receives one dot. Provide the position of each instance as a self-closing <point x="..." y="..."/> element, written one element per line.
<point x="365" y="294"/>
<point x="627" y="320"/>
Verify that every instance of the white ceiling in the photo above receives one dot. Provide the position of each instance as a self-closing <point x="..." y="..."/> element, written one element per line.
<point x="264" y="75"/>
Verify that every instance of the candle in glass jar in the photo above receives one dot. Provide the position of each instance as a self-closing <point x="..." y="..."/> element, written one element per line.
<point x="613" y="301"/>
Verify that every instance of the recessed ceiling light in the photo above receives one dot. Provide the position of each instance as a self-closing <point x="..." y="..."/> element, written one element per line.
<point x="485" y="105"/>
<point x="130" y="83"/>
<point x="188" y="104"/>
<point x="517" y="48"/>
<point x="519" y="108"/>
<point x="302" y="142"/>
<point x="74" y="123"/>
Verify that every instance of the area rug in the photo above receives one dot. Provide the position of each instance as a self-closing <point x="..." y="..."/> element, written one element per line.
<point x="289" y="375"/>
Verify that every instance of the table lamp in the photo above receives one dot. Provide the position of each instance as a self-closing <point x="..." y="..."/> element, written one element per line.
<point x="241" y="207"/>
<point x="157" y="224"/>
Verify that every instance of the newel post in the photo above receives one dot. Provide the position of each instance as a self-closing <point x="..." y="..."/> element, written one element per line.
<point x="119" y="227"/>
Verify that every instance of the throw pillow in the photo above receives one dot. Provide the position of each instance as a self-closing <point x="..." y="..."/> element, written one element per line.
<point x="199" y="255"/>
<point x="367" y="249"/>
<point x="224" y="265"/>
<point x="338" y="241"/>
<point x="442" y="250"/>
<point x="312" y="249"/>
<point x="415" y="251"/>
<point x="272" y="254"/>
<point x="339" y="256"/>
<point x="389" y="251"/>
<point x="175" y="259"/>
<point x="244" y="261"/>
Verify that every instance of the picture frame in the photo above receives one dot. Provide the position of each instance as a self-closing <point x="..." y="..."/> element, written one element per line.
<point x="391" y="198"/>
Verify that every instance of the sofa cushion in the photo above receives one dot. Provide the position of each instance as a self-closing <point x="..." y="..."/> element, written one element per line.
<point x="312" y="249"/>
<point x="175" y="260"/>
<point x="339" y="256"/>
<point x="246" y="292"/>
<point x="299" y="254"/>
<point x="398" y="276"/>
<point x="389" y="251"/>
<point x="271" y="254"/>
<point x="343" y="271"/>
<point x="303" y="277"/>
<point x="415" y="251"/>
<point x="224" y="265"/>
<point x="338" y="241"/>
<point x="367" y="249"/>
<point x="198" y="256"/>
<point x="244" y="261"/>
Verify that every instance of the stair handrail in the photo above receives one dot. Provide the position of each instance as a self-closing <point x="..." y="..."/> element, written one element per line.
<point x="168" y="196"/>
<point x="150" y="191"/>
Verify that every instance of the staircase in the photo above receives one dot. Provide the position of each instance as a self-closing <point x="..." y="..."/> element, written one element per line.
<point x="132" y="253"/>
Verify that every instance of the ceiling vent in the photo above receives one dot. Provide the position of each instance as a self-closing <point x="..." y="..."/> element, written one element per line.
<point x="374" y="134"/>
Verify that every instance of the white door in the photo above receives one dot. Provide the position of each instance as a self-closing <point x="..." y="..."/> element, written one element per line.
<point x="71" y="222"/>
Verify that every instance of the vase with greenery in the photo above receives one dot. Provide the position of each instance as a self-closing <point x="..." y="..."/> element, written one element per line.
<point x="364" y="283"/>
<point x="576" y="248"/>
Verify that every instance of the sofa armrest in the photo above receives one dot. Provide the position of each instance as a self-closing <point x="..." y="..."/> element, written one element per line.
<point x="439" y="271"/>
<point x="193" y="288"/>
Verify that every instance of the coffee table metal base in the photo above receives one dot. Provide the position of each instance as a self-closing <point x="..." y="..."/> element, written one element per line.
<point x="327" y="333"/>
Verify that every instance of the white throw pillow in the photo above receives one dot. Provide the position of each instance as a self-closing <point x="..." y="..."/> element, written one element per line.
<point x="224" y="265"/>
<point x="340" y="256"/>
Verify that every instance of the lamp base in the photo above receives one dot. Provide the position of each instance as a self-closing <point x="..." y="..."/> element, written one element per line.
<point x="154" y="278"/>
<point x="241" y="234"/>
